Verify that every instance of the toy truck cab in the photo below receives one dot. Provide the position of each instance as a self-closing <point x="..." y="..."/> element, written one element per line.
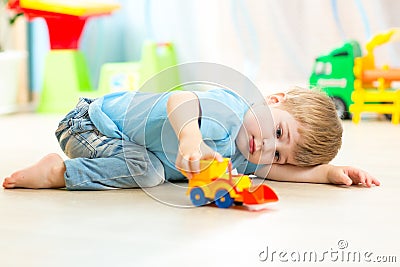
<point x="333" y="73"/>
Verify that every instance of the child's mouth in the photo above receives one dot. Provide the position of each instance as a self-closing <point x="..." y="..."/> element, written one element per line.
<point x="251" y="145"/>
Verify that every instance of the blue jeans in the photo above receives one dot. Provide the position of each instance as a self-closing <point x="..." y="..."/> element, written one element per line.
<point x="98" y="162"/>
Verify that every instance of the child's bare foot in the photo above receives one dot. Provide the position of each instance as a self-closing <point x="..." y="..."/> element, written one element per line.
<point x="46" y="173"/>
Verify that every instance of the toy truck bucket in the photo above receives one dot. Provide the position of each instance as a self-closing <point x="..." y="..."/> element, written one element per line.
<point x="258" y="195"/>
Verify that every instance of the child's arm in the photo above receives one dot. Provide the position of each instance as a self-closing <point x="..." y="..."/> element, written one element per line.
<point x="324" y="173"/>
<point x="183" y="111"/>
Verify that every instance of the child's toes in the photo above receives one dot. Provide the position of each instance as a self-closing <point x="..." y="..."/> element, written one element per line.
<point x="9" y="182"/>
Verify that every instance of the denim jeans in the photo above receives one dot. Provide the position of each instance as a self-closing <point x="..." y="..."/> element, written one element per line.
<point x="98" y="162"/>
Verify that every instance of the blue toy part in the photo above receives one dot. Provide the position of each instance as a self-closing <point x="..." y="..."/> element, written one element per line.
<point x="197" y="197"/>
<point x="223" y="199"/>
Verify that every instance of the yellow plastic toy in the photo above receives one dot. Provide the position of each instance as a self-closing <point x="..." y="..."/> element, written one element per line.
<point x="215" y="182"/>
<point x="373" y="86"/>
<point x="77" y="8"/>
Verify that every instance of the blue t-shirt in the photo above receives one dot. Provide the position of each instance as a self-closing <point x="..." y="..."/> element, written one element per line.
<point x="142" y="118"/>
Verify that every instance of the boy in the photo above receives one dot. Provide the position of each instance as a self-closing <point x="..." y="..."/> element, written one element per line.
<point x="134" y="139"/>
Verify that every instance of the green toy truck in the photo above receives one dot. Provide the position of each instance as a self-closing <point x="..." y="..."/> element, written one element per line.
<point x="333" y="73"/>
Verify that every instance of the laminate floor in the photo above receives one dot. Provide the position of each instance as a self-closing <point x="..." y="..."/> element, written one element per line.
<point x="332" y="225"/>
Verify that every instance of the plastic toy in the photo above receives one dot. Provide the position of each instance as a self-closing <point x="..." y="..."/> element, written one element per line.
<point x="354" y="82"/>
<point x="334" y="74"/>
<point x="214" y="183"/>
<point x="373" y="90"/>
<point x="131" y="75"/>
<point x="66" y="75"/>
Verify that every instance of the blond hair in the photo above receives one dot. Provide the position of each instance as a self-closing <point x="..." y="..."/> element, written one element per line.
<point x="320" y="127"/>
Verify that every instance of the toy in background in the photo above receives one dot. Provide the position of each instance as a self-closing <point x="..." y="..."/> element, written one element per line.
<point x="123" y="76"/>
<point x="374" y="86"/>
<point x="354" y="82"/>
<point x="334" y="74"/>
<point x="66" y="74"/>
<point x="216" y="183"/>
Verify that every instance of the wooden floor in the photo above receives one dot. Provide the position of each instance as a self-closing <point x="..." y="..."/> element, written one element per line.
<point x="135" y="228"/>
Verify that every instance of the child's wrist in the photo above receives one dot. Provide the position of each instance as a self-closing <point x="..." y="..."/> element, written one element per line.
<point x="186" y="136"/>
<point x="188" y="143"/>
<point x="329" y="173"/>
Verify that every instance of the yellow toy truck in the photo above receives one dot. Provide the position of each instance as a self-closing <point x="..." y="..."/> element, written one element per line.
<point x="216" y="183"/>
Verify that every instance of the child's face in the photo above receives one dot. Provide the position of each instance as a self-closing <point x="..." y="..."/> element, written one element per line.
<point x="262" y="145"/>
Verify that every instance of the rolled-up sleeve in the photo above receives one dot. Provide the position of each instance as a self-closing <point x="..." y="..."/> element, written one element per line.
<point x="222" y="113"/>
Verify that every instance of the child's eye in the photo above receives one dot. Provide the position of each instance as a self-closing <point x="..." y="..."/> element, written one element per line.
<point x="278" y="132"/>
<point x="277" y="155"/>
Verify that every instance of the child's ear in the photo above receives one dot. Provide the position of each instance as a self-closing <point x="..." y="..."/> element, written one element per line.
<point x="275" y="98"/>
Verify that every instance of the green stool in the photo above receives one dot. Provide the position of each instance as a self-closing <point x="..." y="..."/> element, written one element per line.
<point x="123" y="76"/>
<point x="66" y="78"/>
<point x="120" y="76"/>
<point x="155" y="58"/>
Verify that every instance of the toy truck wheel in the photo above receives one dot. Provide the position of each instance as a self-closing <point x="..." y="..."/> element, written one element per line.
<point x="197" y="197"/>
<point x="388" y="117"/>
<point x="341" y="108"/>
<point x="223" y="199"/>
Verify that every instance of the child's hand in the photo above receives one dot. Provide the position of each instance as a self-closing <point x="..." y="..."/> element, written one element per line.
<point x="350" y="175"/>
<point x="189" y="156"/>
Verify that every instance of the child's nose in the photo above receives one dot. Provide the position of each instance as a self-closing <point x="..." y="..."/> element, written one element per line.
<point x="268" y="145"/>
